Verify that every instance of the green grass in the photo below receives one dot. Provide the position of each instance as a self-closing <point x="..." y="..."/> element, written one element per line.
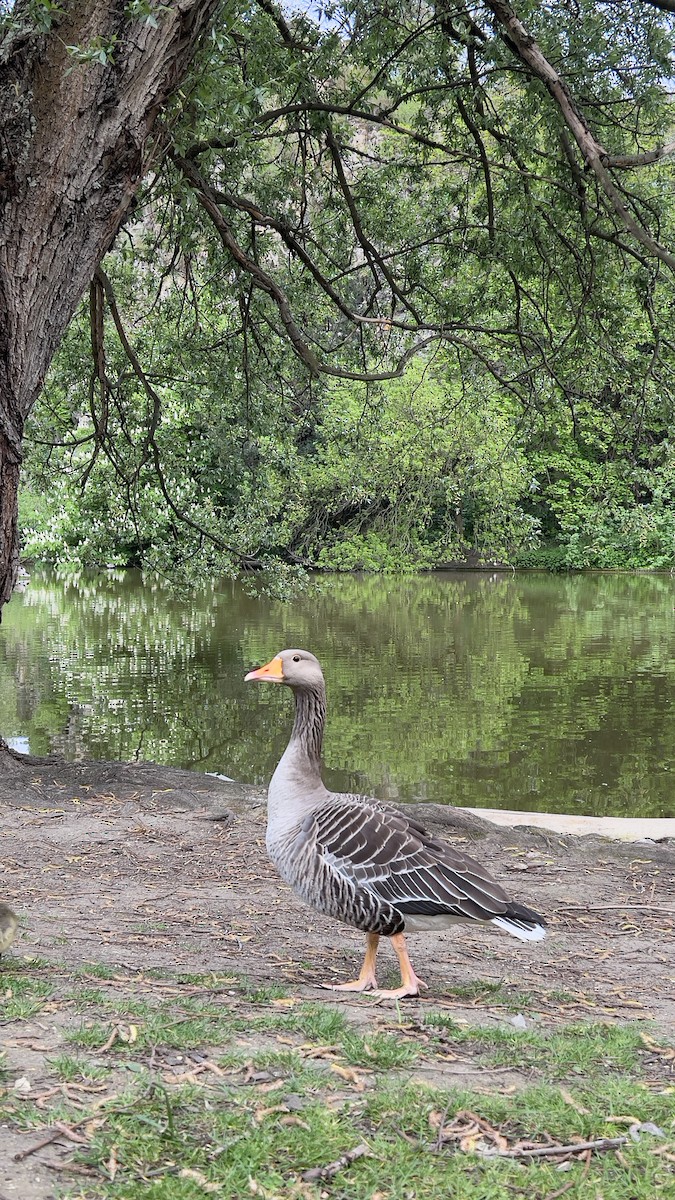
<point x="22" y="995"/>
<point x="320" y="1022"/>
<point x="578" y="1048"/>
<point x="261" y="995"/>
<point x="232" y="1137"/>
<point x="297" y="1085"/>
<point x="157" y="1029"/>
<point x="382" y="1050"/>
<point x="70" y="1068"/>
<point x="484" y="993"/>
<point x="97" y="971"/>
<point x="87" y="997"/>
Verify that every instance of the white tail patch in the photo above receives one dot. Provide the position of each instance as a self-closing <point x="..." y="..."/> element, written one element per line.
<point x="526" y="933"/>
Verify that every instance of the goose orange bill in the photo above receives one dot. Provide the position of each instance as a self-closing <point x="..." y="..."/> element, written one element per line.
<point x="273" y="671"/>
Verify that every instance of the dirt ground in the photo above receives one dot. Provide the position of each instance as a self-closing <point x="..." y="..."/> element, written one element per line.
<point x="96" y="857"/>
<point x="144" y="867"/>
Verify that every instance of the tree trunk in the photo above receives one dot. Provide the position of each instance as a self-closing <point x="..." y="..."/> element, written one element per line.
<point x="76" y="137"/>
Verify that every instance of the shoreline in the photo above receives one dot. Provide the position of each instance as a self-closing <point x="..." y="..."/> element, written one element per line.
<point x="35" y="781"/>
<point x="624" y="829"/>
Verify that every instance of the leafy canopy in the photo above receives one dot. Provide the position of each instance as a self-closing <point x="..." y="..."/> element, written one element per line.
<point x="395" y="290"/>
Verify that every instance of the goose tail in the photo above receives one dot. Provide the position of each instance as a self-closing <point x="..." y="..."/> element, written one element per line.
<point x="521" y="922"/>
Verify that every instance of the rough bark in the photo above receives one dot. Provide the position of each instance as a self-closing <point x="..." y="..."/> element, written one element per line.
<point x="76" y="138"/>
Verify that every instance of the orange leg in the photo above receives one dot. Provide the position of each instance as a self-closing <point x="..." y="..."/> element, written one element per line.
<point x="410" y="984"/>
<point x="366" y="979"/>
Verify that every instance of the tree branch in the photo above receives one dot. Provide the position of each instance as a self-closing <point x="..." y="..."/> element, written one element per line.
<point x="285" y="233"/>
<point x="150" y="447"/>
<point x="476" y="135"/>
<point x="594" y="154"/>
<point x="364" y="241"/>
<point x="101" y="278"/>
<point x="338" y="110"/>
<point x="284" y="28"/>
<point x="628" y="161"/>
<point x="208" y="198"/>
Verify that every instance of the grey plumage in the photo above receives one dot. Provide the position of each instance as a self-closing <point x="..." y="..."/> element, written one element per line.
<point x="360" y="861"/>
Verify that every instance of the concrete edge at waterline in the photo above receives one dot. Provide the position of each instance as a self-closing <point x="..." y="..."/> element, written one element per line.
<point x="625" y="829"/>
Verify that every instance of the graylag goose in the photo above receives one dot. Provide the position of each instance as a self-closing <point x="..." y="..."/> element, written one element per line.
<point x="361" y="861"/>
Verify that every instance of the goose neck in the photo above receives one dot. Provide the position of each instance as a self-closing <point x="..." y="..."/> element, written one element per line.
<point x="310" y="719"/>
<point x="297" y="784"/>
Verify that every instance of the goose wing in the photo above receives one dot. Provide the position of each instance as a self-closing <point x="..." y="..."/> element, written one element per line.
<point x="397" y="860"/>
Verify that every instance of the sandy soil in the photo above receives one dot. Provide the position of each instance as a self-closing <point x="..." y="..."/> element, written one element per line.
<point x="143" y="866"/>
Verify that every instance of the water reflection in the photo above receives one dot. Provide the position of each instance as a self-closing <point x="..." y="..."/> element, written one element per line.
<point x="528" y="691"/>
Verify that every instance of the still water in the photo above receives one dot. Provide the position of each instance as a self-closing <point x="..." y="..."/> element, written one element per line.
<point x="520" y="692"/>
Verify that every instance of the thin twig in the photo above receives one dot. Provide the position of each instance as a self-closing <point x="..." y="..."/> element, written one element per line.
<point x="58" y="1131"/>
<point x="618" y="907"/>
<point x="441" y="1124"/>
<point x="346" y="1160"/>
<point x="574" y="1148"/>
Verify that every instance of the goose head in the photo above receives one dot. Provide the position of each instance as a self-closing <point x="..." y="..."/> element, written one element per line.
<point x="296" y="668"/>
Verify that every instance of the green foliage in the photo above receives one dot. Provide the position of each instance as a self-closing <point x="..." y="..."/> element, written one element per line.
<point x="98" y="52"/>
<point x="411" y="473"/>
<point x="412" y="199"/>
<point x="398" y="475"/>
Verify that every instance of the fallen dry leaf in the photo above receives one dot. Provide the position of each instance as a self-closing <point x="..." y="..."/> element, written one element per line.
<point x="91" y="1126"/>
<point x="351" y="1076"/>
<point x="196" y="1176"/>
<point x="290" y="1120"/>
<point x="270" y="1087"/>
<point x="569" y="1099"/>
<point x="114" y="1034"/>
<point x="261" y="1114"/>
<point x="667" y="1052"/>
<point x="257" y="1189"/>
<point x="111" y="1165"/>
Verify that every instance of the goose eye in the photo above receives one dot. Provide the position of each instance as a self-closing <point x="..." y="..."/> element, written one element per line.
<point x="296" y="658"/>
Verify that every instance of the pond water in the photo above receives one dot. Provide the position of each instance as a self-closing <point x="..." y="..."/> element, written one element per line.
<point x="523" y="691"/>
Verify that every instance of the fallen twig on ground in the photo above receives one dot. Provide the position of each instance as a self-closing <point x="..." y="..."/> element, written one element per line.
<point x="323" y="1173"/>
<point x="58" y="1130"/>
<point x="476" y="1135"/>
<point x="655" y="908"/>
<point x="573" y="1148"/>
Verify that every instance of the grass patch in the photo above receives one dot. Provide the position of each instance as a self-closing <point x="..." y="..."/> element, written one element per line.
<point x="157" y="1029"/>
<point x="482" y="992"/>
<point x="297" y="1085"/>
<point x="319" y="1023"/>
<point x="22" y="995"/>
<point x="242" y="1142"/>
<point x="382" y="1050"/>
<point x="261" y="995"/>
<point x="86" y="997"/>
<point x="582" y="1048"/>
<point x="70" y="1069"/>
<point x="97" y="971"/>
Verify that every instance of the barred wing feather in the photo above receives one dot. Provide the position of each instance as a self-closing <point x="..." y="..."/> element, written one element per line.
<point x="396" y="860"/>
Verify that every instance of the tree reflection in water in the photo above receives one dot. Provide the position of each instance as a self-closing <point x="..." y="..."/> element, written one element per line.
<point x="525" y="691"/>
